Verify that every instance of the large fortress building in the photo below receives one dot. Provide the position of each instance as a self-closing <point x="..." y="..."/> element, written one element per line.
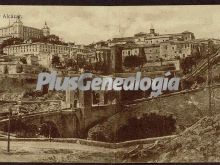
<point x="18" y="30"/>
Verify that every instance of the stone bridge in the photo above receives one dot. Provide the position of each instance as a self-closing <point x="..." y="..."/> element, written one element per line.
<point x="76" y="121"/>
<point x="66" y="121"/>
<point x="71" y="121"/>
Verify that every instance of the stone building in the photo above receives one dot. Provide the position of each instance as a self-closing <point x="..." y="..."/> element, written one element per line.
<point x="18" y="30"/>
<point x="170" y="50"/>
<point x="152" y="52"/>
<point x="152" y="37"/>
<point x="120" y="41"/>
<point x="132" y="49"/>
<point x="43" y="51"/>
<point x="36" y="48"/>
<point x="176" y="49"/>
<point x="154" y="43"/>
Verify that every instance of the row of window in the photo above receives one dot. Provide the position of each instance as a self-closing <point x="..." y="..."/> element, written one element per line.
<point x="33" y="50"/>
<point x="152" y="41"/>
<point x="7" y="30"/>
<point x="27" y="31"/>
<point x="41" y="46"/>
<point x="31" y="30"/>
<point x="37" y="48"/>
<point x="32" y="34"/>
<point x="178" y="46"/>
<point x="129" y="52"/>
<point x="146" y="51"/>
<point x="165" y="55"/>
<point x="152" y="50"/>
<point x="150" y="57"/>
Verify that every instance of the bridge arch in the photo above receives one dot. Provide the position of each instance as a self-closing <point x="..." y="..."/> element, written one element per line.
<point x="49" y="129"/>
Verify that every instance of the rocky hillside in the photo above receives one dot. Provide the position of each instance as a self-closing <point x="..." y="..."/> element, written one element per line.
<point x="15" y="89"/>
<point x="198" y="143"/>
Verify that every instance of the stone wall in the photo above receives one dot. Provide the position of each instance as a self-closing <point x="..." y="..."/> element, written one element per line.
<point x="100" y="112"/>
<point x="186" y="107"/>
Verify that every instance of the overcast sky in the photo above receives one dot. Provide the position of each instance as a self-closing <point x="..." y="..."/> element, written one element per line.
<point x="85" y="25"/>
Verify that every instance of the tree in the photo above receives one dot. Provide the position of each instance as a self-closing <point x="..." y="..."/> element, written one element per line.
<point x="49" y="129"/>
<point x="10" y="41"/>
<point x="69" y="63"/>
<point x="19" y="68"/>
<point x="99" y="66"/>
<point x="53" y="39"/>
<point x="5" y="70"/>
<point x="161" y="61"/>
<point x="133" y="61"/>
<point x="187" y="64"/>
<point x="81" y="62"/>
<point x="142" y="57"/>
<point x="143" y="60"/>
<point x="56" y="61"/>
<point x="23" y="60"/>
<point x="88" y="66"/>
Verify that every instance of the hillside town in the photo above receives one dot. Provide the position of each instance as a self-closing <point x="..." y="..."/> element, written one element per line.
<point x="114" y="119"/>
<point x="28" y="50"/>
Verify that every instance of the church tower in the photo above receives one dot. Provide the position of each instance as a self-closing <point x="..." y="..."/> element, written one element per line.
<point x="46" y="30"/>
<point x="18" y="28"/>
<point x="152" y="30"/>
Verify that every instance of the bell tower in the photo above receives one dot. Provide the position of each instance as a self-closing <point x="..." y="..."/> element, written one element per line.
<point x="152" y="30"/>
<point x="18" y="28"/>
<point x="46" y="30"/>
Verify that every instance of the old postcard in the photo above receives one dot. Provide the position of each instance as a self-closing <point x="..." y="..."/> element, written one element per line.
<point x="119" y="84"/>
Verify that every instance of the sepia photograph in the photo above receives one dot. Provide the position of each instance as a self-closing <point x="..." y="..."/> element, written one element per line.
<point x="109" y="84"/>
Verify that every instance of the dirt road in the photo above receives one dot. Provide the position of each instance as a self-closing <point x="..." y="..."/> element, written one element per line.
<point x="35" y="151"/>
